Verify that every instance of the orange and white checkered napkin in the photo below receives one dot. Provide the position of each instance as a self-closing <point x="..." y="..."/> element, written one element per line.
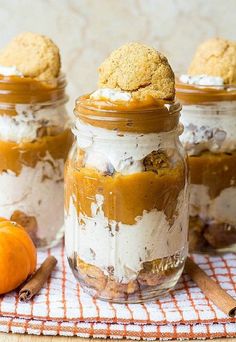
<point x="62" y="308"/>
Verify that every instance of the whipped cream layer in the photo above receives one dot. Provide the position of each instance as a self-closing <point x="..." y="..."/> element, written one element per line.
<point x="37" y="192"/>
<point x="209" y="127"/>
<point x="29" y="118"/>
<point x="108" y="150"/>
<point x="219" y="209"/>
<point x="9" y="71"/>
<point x="124" y="248"/>
<point x="203" y="80"/>
<point x="111" y="94"/>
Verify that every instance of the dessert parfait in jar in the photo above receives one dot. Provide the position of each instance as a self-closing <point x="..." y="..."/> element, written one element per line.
<point x="208" y="97"/>
<point x="34" y="136"/>
<point x="126" y="203"/>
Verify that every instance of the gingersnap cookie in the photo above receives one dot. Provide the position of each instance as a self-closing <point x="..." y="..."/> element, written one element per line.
<point x="138" y="69"/>
<point x="215" y="57"/>
<point x="34" y="55"/>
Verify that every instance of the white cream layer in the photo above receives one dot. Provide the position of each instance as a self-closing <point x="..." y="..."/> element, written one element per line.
<point x="219" y="209"/>
<point x="203" y="80"/>
<point x="108" y="150"/>
<point x="9" y="71"/>
<point x="209" y="127"/>
<point x="24" y="125"/>
<point x="109" y="244"/>
<point x="37" y="192"/>
<point x="111" y="94"/>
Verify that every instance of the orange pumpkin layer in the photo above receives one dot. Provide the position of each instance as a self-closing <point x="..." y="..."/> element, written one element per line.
<point x="18" y="255"/>
<point x="13" y="155"/>
<point x="125" y="196"/>
<point x="216" y="171"/>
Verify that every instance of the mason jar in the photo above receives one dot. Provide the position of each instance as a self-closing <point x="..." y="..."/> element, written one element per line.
<point x="34" y="141"/>
<point x="209" y="138"/>
<point x="126" y="200"/>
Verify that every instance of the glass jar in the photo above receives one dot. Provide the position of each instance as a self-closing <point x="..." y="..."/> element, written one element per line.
<point x="209" y="118"/>
<point x="126" y="203"/>
<point x="34" y="142"/>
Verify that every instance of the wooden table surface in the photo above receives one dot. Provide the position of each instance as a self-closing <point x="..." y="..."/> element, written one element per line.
<point x="32" y="338"/>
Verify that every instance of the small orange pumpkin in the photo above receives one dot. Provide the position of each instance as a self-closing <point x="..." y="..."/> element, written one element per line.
<point x="17" y="255"/>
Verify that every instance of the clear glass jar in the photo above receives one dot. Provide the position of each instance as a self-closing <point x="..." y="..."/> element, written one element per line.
<point x="209" y="119"/>
<point x="34" y="142"/>
<point x="126" y="203"/>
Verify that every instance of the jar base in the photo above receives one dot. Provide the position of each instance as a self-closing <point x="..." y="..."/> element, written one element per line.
<point x="146" y="294"/>
<point x="211" y="237"/>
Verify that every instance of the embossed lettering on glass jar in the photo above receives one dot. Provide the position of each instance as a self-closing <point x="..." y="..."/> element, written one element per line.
<point x="209" y="118"/>
<point x="34" y="142"/>
<point x="126" y="203"/>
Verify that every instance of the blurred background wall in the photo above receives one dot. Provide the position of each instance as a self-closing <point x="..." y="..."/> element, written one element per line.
<point x="87" y="30"/>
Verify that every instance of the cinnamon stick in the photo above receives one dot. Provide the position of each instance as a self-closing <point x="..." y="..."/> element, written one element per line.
<point x="38" y="279"/>
<point x="211" y="289"/>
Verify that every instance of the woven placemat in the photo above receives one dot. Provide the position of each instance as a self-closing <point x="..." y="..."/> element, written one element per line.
<point x="62" y="308"/>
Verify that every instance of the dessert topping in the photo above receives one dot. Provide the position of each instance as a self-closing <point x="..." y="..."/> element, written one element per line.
<point x="215" y="57"/>
<point x="140" y="70"/>
<point x="32" y="55"/>
<point x="204" y="80"/>
<point x="10" y="71"/>
<point x="110" y="94"/>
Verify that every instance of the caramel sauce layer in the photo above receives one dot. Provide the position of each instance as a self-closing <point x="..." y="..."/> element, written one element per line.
<point x="125" y="196"/>
<point x="216" y="171"/>
<point x="192" y="94"/>
<point x="13" y="155"/>
<point x="25" y="90"/>
<point x="129" y="116"/>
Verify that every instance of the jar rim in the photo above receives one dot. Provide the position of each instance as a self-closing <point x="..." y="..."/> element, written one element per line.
<point x="162" y="117"/>
<point x="26" y="90"/>
<point x="197" y="94"/>
<point x="112" y="107"/>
